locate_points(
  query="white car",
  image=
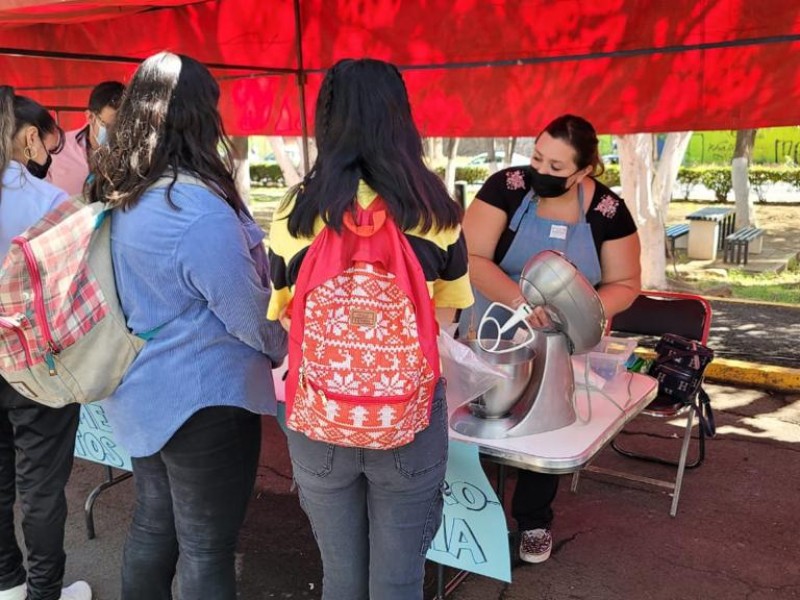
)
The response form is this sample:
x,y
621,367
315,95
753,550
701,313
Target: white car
x,y
482,159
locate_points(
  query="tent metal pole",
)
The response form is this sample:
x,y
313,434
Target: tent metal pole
x,y
301,82
110,58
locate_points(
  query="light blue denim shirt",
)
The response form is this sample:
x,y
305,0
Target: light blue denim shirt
x,y
23,201
190,272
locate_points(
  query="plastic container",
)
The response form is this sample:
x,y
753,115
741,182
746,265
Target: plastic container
x,y
608,358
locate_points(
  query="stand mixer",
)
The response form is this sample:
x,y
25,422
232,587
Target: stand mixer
x,y
539,393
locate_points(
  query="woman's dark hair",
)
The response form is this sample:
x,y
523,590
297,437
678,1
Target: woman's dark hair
x,y
168,123
17,112
364,130
580,134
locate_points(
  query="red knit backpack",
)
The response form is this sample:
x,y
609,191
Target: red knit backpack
x,y
363,357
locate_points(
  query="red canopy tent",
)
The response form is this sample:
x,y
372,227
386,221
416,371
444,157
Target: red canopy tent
x,y
473,68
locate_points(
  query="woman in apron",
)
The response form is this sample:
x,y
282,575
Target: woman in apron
x,y
556,204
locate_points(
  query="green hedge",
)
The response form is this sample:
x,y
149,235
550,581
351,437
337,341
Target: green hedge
x,y
610,176
718,179
266,174
761,177
468,174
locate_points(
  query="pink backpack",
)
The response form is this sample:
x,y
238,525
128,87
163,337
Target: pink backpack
x,y
63,336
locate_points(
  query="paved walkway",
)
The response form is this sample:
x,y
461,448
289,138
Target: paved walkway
x,y
734,538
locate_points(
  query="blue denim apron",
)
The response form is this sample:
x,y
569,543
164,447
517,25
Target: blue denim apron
x,y
533,235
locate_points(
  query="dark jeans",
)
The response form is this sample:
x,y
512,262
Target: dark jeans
x,y
36,446
191,499
374,512
533,499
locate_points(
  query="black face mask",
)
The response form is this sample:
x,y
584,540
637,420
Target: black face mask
x,y
37,170
548,186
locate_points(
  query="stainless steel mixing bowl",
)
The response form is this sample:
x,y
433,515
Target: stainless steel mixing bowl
x,y
517,364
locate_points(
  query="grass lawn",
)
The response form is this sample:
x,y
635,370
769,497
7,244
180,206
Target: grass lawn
x,y
265,194
761,287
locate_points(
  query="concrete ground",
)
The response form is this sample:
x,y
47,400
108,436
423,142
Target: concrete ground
x,y
735,535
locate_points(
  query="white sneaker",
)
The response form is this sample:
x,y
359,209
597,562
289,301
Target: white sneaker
x,y
17,593
79,590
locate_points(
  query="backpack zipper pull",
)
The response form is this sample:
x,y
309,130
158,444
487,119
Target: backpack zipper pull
x,y
51,364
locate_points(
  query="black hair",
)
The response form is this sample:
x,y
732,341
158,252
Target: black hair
x,y
364,130
581,135
168,123
17,112
108,93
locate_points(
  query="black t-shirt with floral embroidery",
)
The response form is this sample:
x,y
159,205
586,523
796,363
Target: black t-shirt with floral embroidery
x,y
608,216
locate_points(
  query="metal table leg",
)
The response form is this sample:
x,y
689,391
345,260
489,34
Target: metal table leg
x,y
95,493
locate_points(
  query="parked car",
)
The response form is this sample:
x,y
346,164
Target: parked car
x,y
482,159
610,159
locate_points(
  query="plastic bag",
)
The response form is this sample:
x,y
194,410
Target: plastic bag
x,y
468,376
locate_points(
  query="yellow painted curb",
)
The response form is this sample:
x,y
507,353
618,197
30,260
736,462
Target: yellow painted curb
x,y
740,372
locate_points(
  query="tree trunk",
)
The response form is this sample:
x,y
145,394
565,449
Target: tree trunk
x,y
492,159
290,174
241,165
636,171
647,190
510,146
745,209
450,169
438,148
312,155
672,155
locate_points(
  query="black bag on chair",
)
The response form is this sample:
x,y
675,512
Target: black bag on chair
x,y
679,369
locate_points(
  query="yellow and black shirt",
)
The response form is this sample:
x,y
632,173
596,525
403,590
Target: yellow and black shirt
x,y
442,254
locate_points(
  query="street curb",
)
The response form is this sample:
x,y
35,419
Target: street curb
x,y
739,372
747,374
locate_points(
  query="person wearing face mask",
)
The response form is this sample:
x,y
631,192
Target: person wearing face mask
x,y
71,167
36,442
555,204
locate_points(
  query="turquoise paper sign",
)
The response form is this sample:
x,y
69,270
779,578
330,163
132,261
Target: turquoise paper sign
x,y
474,532
95,439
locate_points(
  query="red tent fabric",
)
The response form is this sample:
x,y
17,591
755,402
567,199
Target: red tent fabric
x,y
472,68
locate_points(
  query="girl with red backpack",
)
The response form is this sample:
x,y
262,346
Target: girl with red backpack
x,y
366,256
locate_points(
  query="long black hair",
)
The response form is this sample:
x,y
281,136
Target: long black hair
x,y
167,123
364,130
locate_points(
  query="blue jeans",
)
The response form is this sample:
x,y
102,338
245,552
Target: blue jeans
x,y
374,512
191,499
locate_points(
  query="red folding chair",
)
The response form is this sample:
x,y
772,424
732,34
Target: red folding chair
x,y
650,316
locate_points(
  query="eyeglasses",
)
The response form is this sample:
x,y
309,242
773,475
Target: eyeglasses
x,y
61,140
100,120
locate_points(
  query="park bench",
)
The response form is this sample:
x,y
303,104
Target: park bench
x,y
673,233
738,244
